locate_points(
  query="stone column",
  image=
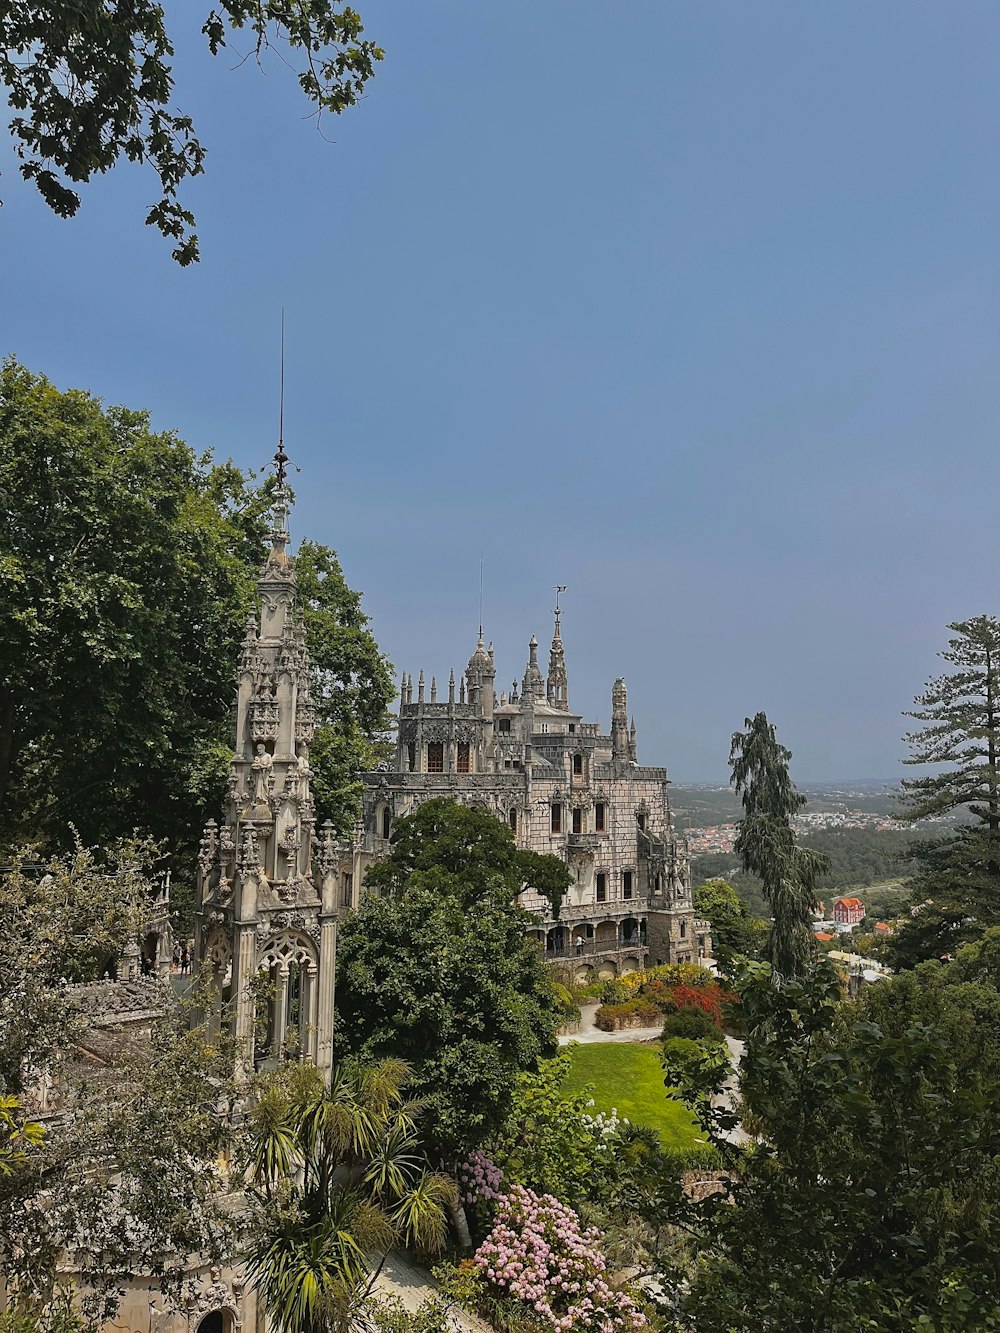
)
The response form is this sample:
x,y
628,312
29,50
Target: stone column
x,y
309,1011
244,972
280,1012
325,997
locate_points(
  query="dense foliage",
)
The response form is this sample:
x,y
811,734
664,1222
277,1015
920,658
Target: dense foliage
x,y
91,84
871,1195
435,967
736,932
127,567
336,1177
125,1179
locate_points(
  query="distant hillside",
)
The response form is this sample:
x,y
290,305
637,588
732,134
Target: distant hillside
x,y
703,806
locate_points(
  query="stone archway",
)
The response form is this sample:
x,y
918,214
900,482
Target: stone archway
x,y
606,935
583,976
292,1006
606,971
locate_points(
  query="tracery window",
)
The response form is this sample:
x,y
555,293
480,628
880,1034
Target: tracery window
x,y
464,760
435,757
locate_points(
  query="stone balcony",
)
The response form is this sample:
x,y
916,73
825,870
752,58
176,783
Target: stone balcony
x,y
586,911
584,842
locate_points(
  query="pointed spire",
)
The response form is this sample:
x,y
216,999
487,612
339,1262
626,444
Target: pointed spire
x,y
461,691
451,686
420,687
557,681
434,690
619,722
532,686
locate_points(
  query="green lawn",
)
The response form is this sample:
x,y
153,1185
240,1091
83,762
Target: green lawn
x,y
628,1077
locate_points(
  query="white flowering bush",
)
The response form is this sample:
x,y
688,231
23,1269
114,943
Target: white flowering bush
x,y
538,1253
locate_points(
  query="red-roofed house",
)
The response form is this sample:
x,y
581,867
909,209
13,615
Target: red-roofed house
x,y
848,911
883,928
822,935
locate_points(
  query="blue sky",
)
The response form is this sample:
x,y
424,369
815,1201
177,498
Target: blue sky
x,y
692,307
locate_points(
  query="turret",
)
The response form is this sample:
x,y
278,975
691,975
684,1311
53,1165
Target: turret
x,y
533,686
557,683
481,674
619,723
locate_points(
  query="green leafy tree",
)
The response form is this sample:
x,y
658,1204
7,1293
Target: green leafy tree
x,y
127,567
959,737
435,968
91,84
736,932
765,842
870,1195
552,1142
124,1176
352,685
337,1176
125,571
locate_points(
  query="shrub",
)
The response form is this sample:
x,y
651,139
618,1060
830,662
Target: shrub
x,y
538,1253
634,1014
615,992
694,1024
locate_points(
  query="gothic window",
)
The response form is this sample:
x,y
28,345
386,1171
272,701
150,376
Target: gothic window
x,y
602,887
577,820
556,824
578,763
411,756
657,883
626,884
512,818
464,762
435,757
347,891
386,821
640,819
503,724
683,928
599,816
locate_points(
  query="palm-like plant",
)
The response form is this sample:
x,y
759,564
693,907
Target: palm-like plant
x,y
337,1177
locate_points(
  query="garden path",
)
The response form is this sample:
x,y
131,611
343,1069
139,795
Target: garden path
x,y
402,1278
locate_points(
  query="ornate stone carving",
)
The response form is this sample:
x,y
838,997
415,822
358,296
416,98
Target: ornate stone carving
x,y
249,861
209,846
263,774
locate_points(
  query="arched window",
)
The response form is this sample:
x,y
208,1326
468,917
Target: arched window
x,y
435,757
602,886
578,763
386,821
640,819
599,817
464,757
626,884
683,928
577,819
216,1321
512,818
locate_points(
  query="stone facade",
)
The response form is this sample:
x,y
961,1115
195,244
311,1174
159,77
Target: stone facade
x,y
565,787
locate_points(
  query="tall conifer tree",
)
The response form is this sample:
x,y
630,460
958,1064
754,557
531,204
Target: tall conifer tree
x,y
765,842
958,885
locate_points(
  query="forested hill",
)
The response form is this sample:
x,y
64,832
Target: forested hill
x,y
860,856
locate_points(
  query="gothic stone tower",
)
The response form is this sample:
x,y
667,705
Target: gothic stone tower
x,y
267,887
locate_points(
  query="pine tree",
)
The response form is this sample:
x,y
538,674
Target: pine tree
x,y
765,842
958,885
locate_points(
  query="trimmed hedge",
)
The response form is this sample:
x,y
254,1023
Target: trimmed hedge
x,y
633,1014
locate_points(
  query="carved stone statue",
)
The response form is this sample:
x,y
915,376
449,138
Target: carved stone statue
x,y
261,766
